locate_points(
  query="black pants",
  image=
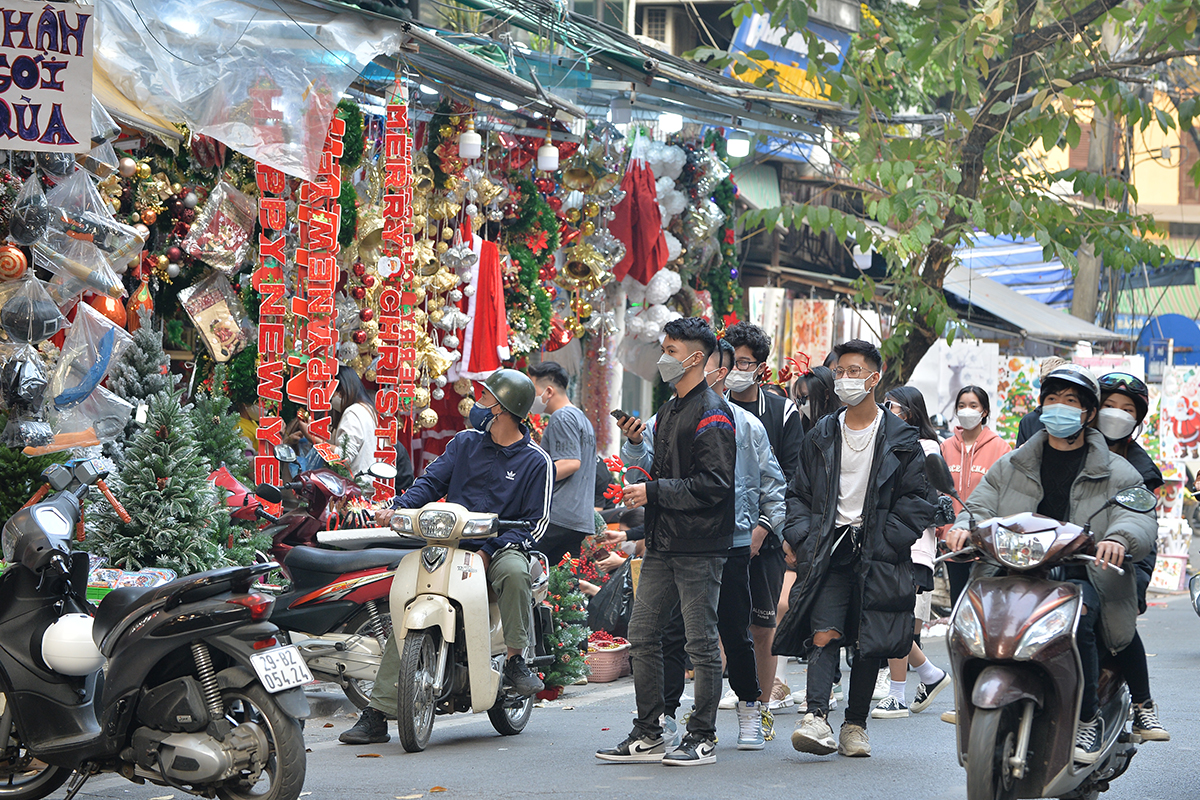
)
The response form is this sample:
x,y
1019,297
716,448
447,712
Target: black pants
x,y
1089,649
832,612
733,625
959,575
1132,661
557,541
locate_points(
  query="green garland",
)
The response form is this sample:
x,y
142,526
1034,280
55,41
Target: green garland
x,y
726,291
352,139
528,303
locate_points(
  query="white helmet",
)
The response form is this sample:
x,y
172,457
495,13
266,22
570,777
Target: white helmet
x,y
67,646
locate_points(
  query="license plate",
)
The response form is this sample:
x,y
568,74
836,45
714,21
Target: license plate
x,y
281,668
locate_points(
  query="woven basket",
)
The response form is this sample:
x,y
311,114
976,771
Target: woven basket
x,y
608,665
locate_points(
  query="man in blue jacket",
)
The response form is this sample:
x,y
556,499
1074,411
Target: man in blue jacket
x,y
494,468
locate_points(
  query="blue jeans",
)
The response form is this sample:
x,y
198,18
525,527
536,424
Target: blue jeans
x,y
693,583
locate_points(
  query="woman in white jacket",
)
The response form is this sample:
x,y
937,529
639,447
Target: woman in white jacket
x,y
353,421
908,404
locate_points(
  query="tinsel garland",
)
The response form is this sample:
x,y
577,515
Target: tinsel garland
x,y
352,139
528,304
596,404
722,279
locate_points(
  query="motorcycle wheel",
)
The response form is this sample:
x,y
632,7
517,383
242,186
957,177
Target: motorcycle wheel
x,y
415,700
358,691
511,721
283,773
992,742
22,776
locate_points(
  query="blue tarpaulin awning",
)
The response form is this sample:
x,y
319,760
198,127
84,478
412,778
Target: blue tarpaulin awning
x,y
1019,264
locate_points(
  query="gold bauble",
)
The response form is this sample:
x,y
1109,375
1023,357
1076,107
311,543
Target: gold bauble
x,y
435,316
587,228
162,262
420,221
431,230
465,405
176,188
427,419
420,397
445,131
447,233
144,171
584,310
369,375
572,215
591,209
441,247
463,387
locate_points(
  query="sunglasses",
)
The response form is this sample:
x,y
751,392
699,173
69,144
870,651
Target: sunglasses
x,y
1115,381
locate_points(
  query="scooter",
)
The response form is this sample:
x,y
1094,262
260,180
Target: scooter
x,y
452,650
183,685
1018,677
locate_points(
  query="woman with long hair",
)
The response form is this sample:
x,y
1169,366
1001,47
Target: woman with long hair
x,y
908,404
813,394
352,417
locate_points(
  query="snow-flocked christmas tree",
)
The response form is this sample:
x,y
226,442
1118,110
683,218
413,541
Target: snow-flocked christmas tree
x,y
142,371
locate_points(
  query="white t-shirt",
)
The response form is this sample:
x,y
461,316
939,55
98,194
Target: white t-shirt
x,y
358,427
858,451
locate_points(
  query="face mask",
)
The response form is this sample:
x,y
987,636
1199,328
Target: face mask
x,y
1116,424
1061,420
539,405
336,403
851,391
481,417
710,372
969,418
739,381
671,369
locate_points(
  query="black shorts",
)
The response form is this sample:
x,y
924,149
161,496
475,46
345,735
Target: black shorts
x,y
922,578
766,583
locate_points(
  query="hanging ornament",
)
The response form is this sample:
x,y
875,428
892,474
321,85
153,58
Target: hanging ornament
x,y
12,262
140,299
127,167
110,307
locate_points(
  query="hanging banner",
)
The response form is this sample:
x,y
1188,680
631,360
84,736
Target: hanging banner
x,y
46,77
812,329
272,336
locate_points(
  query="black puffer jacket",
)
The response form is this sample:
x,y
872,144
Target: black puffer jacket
x,y
899,506
689,499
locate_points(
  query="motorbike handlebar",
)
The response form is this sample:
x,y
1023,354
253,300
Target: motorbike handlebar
x,y
1082,557
262,514
519,524
294,485
948,556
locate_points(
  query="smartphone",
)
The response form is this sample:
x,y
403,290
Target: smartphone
x,y
619,415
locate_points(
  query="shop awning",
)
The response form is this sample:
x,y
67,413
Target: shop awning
x,y
1020,265
1027,316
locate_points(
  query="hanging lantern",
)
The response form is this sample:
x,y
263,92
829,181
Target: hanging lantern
x,y
547,155
470,143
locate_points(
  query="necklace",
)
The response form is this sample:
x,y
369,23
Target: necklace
x,y
870,437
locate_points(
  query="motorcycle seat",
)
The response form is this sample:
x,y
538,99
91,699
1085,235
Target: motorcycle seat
x,y
339,562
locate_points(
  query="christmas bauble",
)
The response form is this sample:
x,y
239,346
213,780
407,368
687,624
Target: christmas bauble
x,y
110,307
591,209
174,253
12,262
359,337
143,170
142,230
127,167
555,202
358,293
360,269
437,394
191,200
420,397
587,228
463,387
427,418
368,281
447,233
451,342
366,315
173,270
465,405
162,262
149,216
572,215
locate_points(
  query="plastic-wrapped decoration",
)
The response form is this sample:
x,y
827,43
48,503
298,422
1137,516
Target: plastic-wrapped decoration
x,y
27,313
31,213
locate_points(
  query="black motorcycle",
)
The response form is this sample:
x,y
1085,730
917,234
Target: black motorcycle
x,y
182,685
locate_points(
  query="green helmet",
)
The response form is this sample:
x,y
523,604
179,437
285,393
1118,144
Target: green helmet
x,y
513,390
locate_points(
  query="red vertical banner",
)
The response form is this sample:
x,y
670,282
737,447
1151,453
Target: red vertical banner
x,y
268,281
395,373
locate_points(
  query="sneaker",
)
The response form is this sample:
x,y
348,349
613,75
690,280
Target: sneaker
x,y
853,741
1088,740
671,736
781,696
521,678
729,701
890,708
692,752
883,685
1146,724
813,735
950,716
635,749
371,728
768,722
925,694
750,729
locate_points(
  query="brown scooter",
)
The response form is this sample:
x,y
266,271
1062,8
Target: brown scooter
x,y
1018,677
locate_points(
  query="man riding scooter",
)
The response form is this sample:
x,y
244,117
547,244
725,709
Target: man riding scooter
x,y
494,468
1067,472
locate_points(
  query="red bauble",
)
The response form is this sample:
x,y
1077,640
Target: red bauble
x,y
358,293
545,186
552,272
188,215
110,307
359,337
359,270
174,253
366,315
555,202
368,281
543,274
567,235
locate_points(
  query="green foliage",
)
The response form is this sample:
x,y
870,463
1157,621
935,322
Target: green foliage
x,y
1006,81
527,302
217,434
352,139
20,475
142,371
725,288
567,638
163,483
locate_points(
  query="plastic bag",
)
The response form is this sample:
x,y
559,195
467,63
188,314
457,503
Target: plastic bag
x,y
23,383
92,346
79,266
104,127
100,417
56,164
221,234
31,212
28,315
78,211
101,160
219,317
612,606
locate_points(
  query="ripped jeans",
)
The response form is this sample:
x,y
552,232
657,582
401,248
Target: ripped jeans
x,y
832,612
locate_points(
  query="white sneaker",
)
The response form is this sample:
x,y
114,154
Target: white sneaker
x,y
883,685
750,730
801,700
729,701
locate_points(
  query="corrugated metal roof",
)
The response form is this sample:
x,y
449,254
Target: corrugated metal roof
x,y
1019,264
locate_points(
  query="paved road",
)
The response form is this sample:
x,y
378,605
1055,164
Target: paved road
x,y
553,758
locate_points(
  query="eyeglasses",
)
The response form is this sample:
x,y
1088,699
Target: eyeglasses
x,y
1116,381
745,364
853,372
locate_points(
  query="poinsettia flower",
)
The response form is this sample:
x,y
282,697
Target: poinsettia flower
x,y
731,320
729,236
536,242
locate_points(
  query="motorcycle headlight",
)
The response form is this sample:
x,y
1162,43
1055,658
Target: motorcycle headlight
x,y
437,524
1049,627
480,527
402,523
967,627
1022,550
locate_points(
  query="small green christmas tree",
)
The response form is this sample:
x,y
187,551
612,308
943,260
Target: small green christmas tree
x,y
20,475
566,640
142,371
217,433
163,484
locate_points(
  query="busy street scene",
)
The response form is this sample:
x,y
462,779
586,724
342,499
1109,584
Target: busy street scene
x,y
535,398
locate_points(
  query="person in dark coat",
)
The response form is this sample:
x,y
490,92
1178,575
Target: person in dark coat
x,y
858,503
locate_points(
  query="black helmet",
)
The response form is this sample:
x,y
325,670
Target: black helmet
x,y
513,390
1132,387
1077,376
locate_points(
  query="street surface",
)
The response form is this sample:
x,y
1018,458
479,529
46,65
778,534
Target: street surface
x,y
912,758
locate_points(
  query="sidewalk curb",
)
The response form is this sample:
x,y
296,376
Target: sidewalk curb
x,y
327,704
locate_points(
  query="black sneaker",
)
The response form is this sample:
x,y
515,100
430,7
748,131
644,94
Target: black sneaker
x,y
371,728
520,677
635,749
1088,739
925,694
694,751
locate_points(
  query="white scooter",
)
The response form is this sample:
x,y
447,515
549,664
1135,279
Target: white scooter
x,y
447,625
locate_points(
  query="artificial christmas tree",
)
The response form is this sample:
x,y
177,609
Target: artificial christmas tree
x,y
567,637
142,371
20,475
217,433
163,483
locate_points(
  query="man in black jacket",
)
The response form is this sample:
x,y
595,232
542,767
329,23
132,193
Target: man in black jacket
x,y
858,503
689,529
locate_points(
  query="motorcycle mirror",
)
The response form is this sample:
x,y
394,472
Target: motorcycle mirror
x,y
939,475
382,470
285,453
1136,499
271,494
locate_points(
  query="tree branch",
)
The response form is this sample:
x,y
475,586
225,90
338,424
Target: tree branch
x,y
1061,30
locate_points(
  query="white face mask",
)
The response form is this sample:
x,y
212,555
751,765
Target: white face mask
x,y
969,418
539,405
336,403
739,380
851,391
1116,424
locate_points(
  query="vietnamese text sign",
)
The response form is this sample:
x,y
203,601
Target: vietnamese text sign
x,y
46,77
